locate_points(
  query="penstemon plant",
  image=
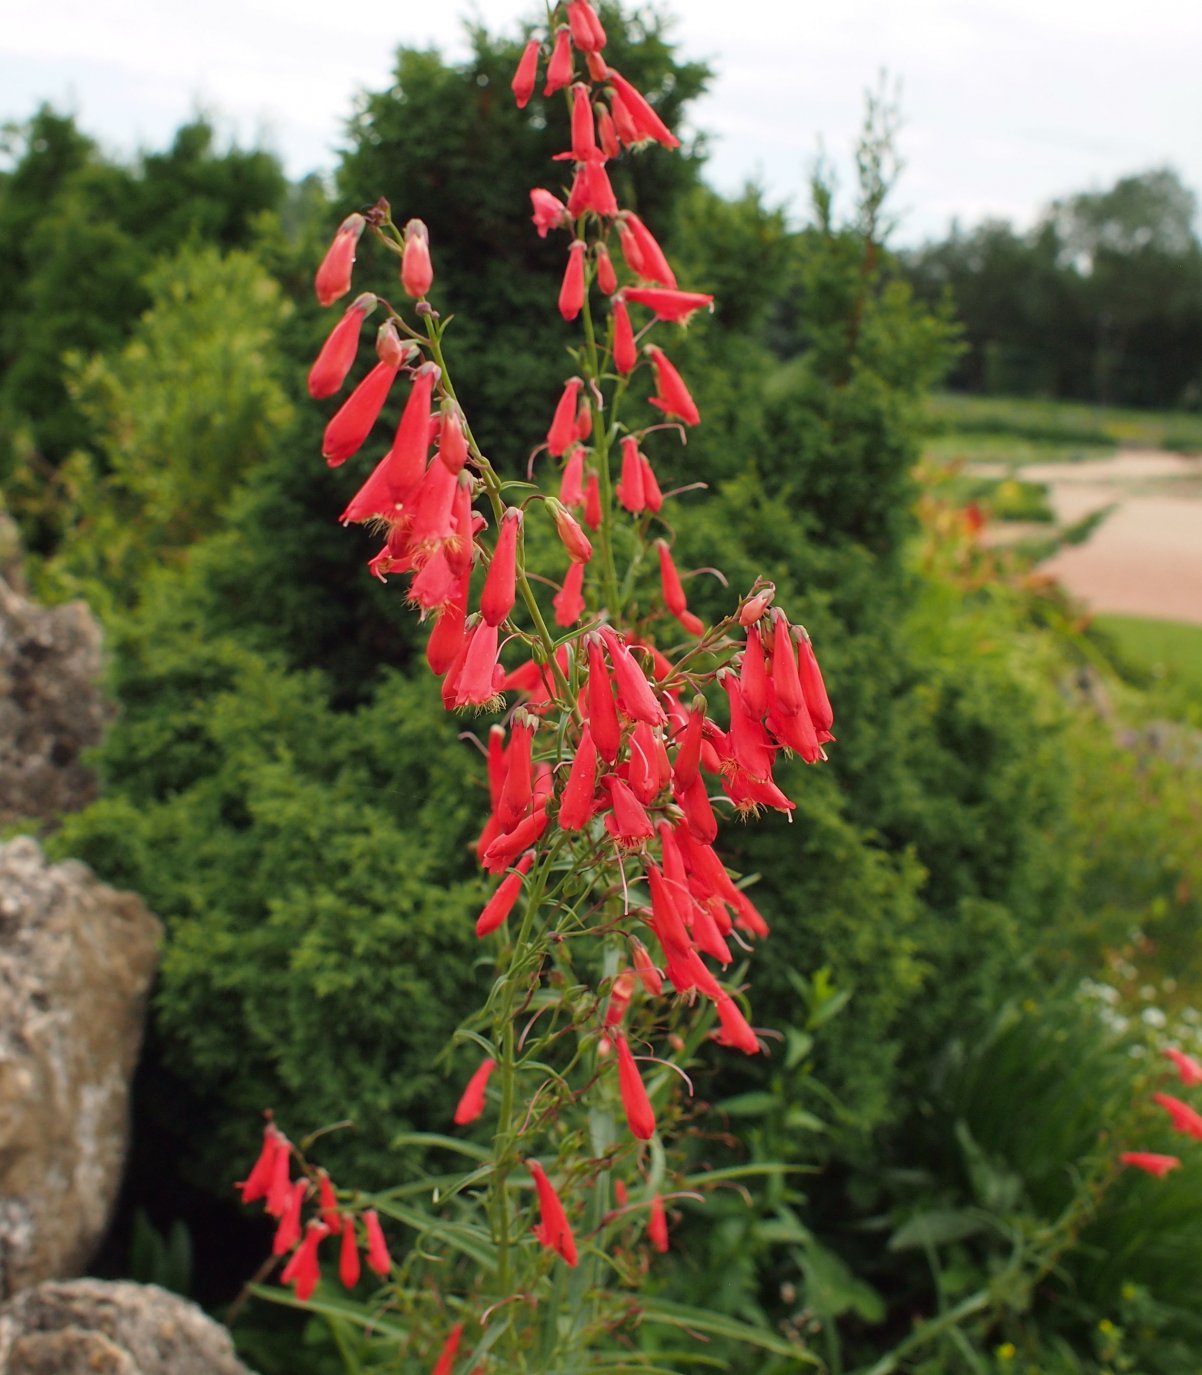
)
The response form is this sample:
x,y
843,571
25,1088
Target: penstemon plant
x,y
618,933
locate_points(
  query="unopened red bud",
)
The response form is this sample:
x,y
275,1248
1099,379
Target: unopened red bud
x,y
569,600
573,538
452,442
640,1117
562,433
526,76
334,275
337,354
625,353
417,272
571,293
607,135
630,488
391,348
592,502
754,607
559,69
586,29
571,487
497,599
584,133
607,278
619,997
649,976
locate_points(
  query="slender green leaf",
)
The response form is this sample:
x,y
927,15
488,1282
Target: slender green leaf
x,y
690,1319
329,1303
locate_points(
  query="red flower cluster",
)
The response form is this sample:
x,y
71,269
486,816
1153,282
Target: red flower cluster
x,y
1184,1118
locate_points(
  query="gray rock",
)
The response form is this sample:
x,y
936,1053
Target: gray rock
x,y
76,961
50,707
101,1327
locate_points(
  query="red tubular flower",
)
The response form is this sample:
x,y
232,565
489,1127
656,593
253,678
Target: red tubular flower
x,y
349,1269
754,607
796,733
672,396
571,484
576,804
593,190
753,675
631,251
562,434
329,1202
571,293
515,799
786,684
817,701
257,1184
337,355
735,1030
657,1226
607,135
446,639
1185,1119
654,497
452,442
501,853
673,306
450,1349
352,424
619,997
688,757
287,1234
559,69
472,686
607,278
500,586
569,600
668,924
1149,1162
334,275
584,420
417,272
628,822
749,740
571,536
694,802
669,580
630,488
644,966
1187,1067
549,211
599,699
378,1258
279,1191
647,123
636,697
553,1230
640,1117
526,76
584,130
471,1105
303,1269
625,354
592,502
587,33
653,265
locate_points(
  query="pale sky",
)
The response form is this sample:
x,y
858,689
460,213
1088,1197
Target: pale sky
x,y
1005,103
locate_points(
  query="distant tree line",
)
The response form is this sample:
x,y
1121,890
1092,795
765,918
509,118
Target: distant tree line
x,y
1100,301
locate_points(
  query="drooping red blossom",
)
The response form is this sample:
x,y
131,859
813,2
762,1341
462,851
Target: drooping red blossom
x,y
640,1117
516,794
257,1184
673,306
526,76
569,600
417,272
651,492
586,29
351,424
279,1191
562,433
652,264
636,697
607,134
584,129
549,211
349,1268
673,591
303,1269
735,1030
592,502
619,997
328,1202
576,804
647,124
672,396
571,293
334,275
505,848
559,69
599,698
1184,1118
657,1225
607,278
287,1234
649,976
817,701
553,1230
1150,1162
625,353
571,536
500,585
571,485
1188,1068
450,1349
628,822
471,1104
337,355
630,488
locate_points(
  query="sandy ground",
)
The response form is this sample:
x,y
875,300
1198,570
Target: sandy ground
x,y
1146,557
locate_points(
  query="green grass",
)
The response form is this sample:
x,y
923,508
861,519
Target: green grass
x,y
1025,431
1163,657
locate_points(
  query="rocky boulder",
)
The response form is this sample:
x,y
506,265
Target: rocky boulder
x,y
76,961
96,1327
50,708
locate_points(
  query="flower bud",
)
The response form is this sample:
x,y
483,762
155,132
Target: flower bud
x,y
334,275
559,69
417,272
525,77
337,354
